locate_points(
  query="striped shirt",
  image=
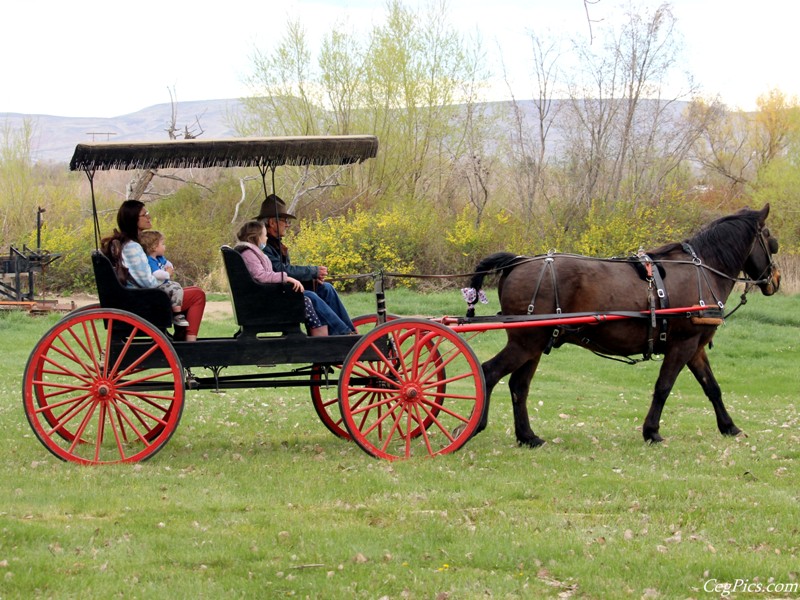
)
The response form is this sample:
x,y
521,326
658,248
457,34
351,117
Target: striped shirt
x,y
135,259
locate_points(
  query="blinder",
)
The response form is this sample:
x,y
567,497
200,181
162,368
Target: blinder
x,y
770,247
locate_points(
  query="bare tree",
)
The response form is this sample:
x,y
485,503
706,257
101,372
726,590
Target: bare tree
x,y
529,140
626,137
141,183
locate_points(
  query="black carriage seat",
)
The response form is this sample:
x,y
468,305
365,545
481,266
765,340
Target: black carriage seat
x,y
151,304
261,307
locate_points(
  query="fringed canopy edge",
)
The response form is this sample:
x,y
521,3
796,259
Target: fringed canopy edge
x,y
236,152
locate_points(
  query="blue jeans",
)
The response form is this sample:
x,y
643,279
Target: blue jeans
x,y
330,309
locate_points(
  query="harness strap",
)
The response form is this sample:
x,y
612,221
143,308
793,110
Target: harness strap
x,y
663,298
549,265
655,281
701,274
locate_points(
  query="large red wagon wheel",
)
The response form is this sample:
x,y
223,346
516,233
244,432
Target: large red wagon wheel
x,y
411,387
103,386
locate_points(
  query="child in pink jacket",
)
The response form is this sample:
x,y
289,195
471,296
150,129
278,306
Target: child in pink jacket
x,y
252,238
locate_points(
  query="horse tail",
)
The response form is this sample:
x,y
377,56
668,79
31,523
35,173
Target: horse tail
x,y
500,261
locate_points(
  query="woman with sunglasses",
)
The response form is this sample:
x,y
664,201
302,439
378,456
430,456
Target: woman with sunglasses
x,y
130,262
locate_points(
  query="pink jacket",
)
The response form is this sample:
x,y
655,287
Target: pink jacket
x,y
258,264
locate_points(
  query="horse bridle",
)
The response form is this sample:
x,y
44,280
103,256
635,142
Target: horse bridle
x,y
767,274
769,270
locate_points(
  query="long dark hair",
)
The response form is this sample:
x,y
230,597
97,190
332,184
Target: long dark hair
x,y
128,231
128,219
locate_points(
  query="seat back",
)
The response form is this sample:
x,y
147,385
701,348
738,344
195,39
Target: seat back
x,y
151,304
261,307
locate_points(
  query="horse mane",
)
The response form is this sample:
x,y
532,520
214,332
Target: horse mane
x,y
724,242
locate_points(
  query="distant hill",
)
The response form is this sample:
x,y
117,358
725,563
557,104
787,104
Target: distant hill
x,y
55,138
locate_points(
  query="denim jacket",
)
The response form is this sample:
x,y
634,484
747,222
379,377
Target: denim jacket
x,y
273,251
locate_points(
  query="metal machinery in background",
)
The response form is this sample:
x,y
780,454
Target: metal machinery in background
x,y
19,271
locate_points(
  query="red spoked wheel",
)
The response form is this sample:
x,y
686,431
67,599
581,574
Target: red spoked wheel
x,y
103,386
324,396
411,387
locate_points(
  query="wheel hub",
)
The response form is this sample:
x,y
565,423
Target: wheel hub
x,y
102,390
411,392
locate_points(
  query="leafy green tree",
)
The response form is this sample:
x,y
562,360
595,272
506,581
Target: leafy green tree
x,y
737,147
404,85
779,179
17,185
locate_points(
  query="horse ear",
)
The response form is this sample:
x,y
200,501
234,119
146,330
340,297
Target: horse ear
x,y
763,213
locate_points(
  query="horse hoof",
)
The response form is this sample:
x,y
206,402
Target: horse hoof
x,y
653,438
534,442
734,431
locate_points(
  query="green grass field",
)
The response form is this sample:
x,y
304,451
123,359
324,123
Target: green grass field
x,y
254,498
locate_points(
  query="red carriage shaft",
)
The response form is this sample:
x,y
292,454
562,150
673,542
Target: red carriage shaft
x,y
565,319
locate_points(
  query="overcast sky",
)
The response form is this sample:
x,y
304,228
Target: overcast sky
x,y
103,58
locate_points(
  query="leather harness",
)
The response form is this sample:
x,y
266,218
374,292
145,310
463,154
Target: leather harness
x,y
655,289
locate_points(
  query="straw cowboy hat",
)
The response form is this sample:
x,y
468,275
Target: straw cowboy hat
x,y
273,208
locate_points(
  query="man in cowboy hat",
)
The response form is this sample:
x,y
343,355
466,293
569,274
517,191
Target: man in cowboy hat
x,y
326,301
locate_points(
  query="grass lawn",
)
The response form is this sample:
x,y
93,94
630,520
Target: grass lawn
x,y
254,498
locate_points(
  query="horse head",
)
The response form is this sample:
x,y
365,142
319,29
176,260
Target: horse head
x,y
759,265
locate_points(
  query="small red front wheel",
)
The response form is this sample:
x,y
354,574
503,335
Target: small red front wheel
x,y
411,387
103,386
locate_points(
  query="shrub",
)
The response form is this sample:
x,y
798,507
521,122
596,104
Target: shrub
x,y
358,243
625,227
72,271
469,241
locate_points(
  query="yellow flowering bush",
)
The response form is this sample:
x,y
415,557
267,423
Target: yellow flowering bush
x,y
473,241
624,228
357,243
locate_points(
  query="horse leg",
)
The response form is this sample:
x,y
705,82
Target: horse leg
x,y
674,360
701,369
494,369
519,384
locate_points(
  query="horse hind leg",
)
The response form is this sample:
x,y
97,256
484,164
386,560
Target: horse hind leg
x,y
508,360
519,385
701,369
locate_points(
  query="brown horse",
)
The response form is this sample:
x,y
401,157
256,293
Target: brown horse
x,y
640,291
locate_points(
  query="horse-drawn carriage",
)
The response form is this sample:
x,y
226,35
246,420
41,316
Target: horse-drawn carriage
x,y
107,383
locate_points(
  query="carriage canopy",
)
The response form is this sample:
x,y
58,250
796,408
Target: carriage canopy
x,y
264,152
